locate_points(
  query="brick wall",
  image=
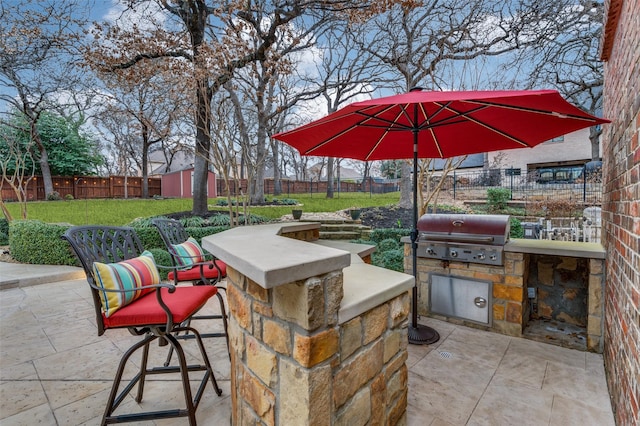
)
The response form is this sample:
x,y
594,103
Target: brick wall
x,y
621,207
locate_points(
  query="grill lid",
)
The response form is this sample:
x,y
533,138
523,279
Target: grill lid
x,y
466,228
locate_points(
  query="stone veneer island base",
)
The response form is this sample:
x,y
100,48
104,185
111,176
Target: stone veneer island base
x,y
317,336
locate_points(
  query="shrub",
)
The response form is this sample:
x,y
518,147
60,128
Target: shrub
x,y
68,197
149,237
391,259
54,196
254,219
162,258
219,220
517,231
285,201
388,244
557,207
143,222
201,232
4,231
36,242
378,235
497,198
193,221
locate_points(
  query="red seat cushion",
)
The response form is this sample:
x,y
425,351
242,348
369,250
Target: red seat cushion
x,y
183,303
194,273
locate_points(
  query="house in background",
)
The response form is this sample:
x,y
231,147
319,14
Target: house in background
x,y
319,171
569,151
157,163
573,149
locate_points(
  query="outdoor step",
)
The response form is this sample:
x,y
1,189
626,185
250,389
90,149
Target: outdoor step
x,y
330,227
339,235
339,221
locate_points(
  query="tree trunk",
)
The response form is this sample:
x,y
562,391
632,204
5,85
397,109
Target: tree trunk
x,y
277,173
145,161
330,162
203,145
42,151
406,198
46,173
257,192
594,137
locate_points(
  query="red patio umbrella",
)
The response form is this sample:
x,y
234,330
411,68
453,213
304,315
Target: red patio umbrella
x,y
423,124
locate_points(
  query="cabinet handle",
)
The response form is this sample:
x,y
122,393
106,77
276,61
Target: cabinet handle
x,y
480,302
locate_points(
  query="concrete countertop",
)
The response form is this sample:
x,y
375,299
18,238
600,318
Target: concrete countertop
x,y
550,247
262,254
357,250
556,248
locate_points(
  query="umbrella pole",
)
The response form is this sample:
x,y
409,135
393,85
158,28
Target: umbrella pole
x,y
418,334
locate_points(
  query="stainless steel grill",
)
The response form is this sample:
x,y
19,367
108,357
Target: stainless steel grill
x,y
463,238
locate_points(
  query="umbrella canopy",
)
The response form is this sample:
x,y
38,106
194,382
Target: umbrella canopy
x,y
447,124
421,124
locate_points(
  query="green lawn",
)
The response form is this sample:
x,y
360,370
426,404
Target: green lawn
x,y
120,212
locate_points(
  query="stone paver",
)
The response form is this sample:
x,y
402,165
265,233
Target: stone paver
x,y
55,370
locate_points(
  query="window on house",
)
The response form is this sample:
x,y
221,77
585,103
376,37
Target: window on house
x,y
557,139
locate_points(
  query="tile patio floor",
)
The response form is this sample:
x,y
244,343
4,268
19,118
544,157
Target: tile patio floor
x,y
56,370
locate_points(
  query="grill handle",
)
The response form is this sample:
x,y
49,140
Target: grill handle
x,y
457,238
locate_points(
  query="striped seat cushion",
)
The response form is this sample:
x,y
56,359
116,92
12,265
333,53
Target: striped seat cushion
x,y
126,275
188,253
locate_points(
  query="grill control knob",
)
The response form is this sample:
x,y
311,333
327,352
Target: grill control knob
x,y
454,253
481,256
431,251
493,257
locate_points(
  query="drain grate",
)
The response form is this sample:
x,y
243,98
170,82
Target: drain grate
x,y
446,355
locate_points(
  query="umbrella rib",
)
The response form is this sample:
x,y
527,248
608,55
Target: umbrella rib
x,y
379,141
427,120
532,110
466,116
348,129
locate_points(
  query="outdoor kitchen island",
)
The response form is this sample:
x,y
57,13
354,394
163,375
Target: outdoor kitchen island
x,y
550,291
317,336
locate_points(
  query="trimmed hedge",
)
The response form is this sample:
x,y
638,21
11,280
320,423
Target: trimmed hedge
x,y
162,258
378,235
36,242
4,232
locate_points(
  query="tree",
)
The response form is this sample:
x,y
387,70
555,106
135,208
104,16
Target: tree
x,y
569,60
345,74
14,157
149,107
207,44
70,152
37,38
421,45
391,169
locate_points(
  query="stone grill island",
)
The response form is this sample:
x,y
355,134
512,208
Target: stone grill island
x,y
317,335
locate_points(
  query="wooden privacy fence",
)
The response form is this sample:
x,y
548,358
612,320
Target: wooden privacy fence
x,y
289,186
82,187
